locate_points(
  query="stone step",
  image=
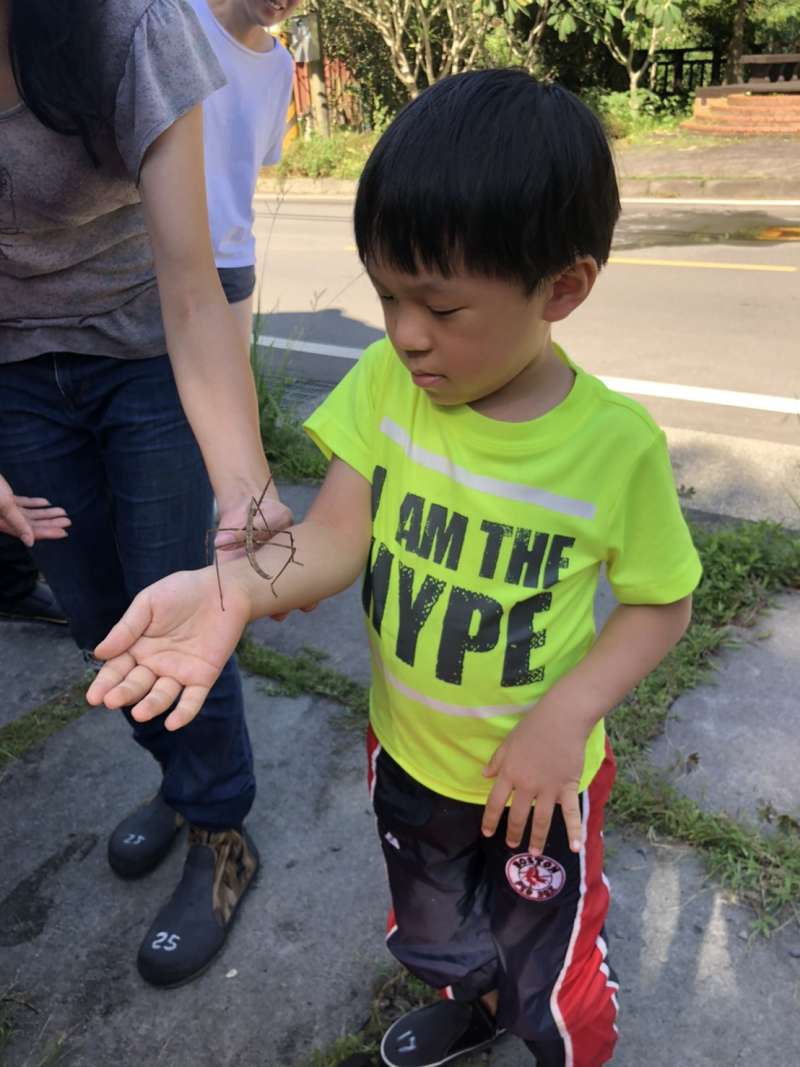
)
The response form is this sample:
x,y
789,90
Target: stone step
x,y
733,119
693,125
783,101
745,111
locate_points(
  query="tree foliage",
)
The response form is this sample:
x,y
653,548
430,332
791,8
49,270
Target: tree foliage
x,y
350,38
631,30
430,39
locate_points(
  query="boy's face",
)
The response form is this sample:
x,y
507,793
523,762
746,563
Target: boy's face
x,y
467,337
268,12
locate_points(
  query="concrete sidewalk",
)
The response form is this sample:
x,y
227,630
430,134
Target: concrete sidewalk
x,y
760,168
696,989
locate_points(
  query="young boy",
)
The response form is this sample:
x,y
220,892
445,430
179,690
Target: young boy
x,y
244,124
484,478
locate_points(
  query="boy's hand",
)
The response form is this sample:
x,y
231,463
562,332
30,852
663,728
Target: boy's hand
x,y
173,641
540,761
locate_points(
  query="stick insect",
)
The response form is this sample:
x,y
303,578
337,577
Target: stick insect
x,y
251,538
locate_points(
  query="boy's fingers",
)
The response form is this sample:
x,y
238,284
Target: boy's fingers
x,y
495,806
189,705
127,631
571,810
542,817
492,768
518,815
162,696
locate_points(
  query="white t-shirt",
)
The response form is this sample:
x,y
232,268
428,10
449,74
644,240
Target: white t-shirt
x,y
244,124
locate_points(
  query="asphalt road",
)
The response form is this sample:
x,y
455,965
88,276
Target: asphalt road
x,y
696,297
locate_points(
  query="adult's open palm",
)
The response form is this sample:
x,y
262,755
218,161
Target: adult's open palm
x,y
170,645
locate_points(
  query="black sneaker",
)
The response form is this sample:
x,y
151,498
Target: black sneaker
x,y
143,839
428,1037
191,928
38,606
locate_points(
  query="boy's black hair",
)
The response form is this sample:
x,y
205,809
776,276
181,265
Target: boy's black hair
x,y
492,172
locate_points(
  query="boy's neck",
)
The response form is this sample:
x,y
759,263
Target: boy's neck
x,y
232,16
540,387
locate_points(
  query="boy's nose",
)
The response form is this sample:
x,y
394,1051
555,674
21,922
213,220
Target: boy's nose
x,y
409,334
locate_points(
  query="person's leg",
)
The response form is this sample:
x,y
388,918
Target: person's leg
x,y
18,572
45,451
556,989
50,446
162,512
22,596
439,926
58,416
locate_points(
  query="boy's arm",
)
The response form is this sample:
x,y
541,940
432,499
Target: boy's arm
x,y
542,758
174,639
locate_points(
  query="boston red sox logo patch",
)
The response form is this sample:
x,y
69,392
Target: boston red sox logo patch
x,y
536,878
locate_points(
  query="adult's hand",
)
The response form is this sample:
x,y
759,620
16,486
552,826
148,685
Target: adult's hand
x,y
30,518
270,518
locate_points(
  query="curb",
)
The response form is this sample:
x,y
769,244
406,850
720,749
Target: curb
x,y
746,188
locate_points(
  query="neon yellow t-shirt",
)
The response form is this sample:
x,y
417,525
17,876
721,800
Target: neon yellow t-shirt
x,y
488,537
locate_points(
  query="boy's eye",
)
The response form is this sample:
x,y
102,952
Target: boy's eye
x,y
385,297
443,312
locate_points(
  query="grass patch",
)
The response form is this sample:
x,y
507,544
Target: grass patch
x,y
392,996
762,871
743,567
292,456
12,1001
305,673
34,727
342,155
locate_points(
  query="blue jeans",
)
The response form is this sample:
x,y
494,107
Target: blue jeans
x,y
107,439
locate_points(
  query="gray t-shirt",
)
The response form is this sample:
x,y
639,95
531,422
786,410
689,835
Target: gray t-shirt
x,y
76,267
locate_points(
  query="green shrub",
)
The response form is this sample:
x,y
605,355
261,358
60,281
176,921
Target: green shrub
x,y
651,112
342,155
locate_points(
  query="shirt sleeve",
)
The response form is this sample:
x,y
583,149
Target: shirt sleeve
x,y
651,557
344,424
170,68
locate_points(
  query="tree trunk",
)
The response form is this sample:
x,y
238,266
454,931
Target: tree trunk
x,y
733,61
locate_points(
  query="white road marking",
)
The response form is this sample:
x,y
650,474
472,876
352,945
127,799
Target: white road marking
x,y
783,405
317,348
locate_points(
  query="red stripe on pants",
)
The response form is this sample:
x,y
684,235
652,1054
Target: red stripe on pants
x,y
584,999
373,751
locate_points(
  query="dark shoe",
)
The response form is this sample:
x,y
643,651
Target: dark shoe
x,y
428,1037
191,928
38,606
141,841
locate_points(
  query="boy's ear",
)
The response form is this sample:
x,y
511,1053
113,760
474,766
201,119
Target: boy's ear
x,y
570,289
